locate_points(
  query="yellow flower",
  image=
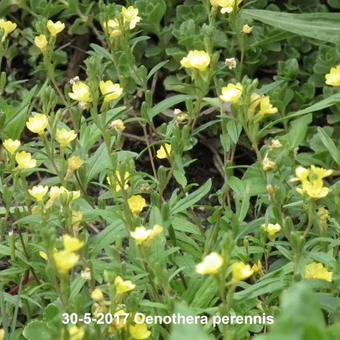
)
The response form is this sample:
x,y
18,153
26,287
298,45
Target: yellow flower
x,y
81,93
65,261
54,193
136,204
122,182
76,333
41,42
257,268
122,286
164,151
140,234
25,160
110,91
130,17
112,28
270,189
181,117
316,271
72,244
65,137
214,3
97,295
11,145
99,309
139,331
227,6
43,255
66,195
275,144
301,174
2,334
119,320
333,77
77,217
86,274
271,229
211,264
231,63
313,189
156,231
254,102
74,163
7,27
267,164
199,60
37,124
312,181
317,173
232,93
246,29
266,108
144,236
313,174
73,195
55,27
118,125
38,192
240,271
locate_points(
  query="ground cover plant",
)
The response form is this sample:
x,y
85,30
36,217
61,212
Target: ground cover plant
x,y
164,158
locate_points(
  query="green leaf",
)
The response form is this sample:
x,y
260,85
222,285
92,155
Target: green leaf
x,y
102,51
329,144
270,87
185,226
180,177
301,317
321,26
106,236
192,198
99,161
152,13
322,104
76,286
16,118
234,130
156,68
52,314
268,285
37,330
297,131
166,104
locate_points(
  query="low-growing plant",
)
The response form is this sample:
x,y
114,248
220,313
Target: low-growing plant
x,y
169,159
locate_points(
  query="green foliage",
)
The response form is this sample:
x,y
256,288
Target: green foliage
x,y
301,317
321,26
169,157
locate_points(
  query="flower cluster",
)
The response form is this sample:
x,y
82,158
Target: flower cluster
x,y
6,27
54,28
316,271
144,237
197,60
67,258
227,6
212,264
127,20
82,94
311,180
